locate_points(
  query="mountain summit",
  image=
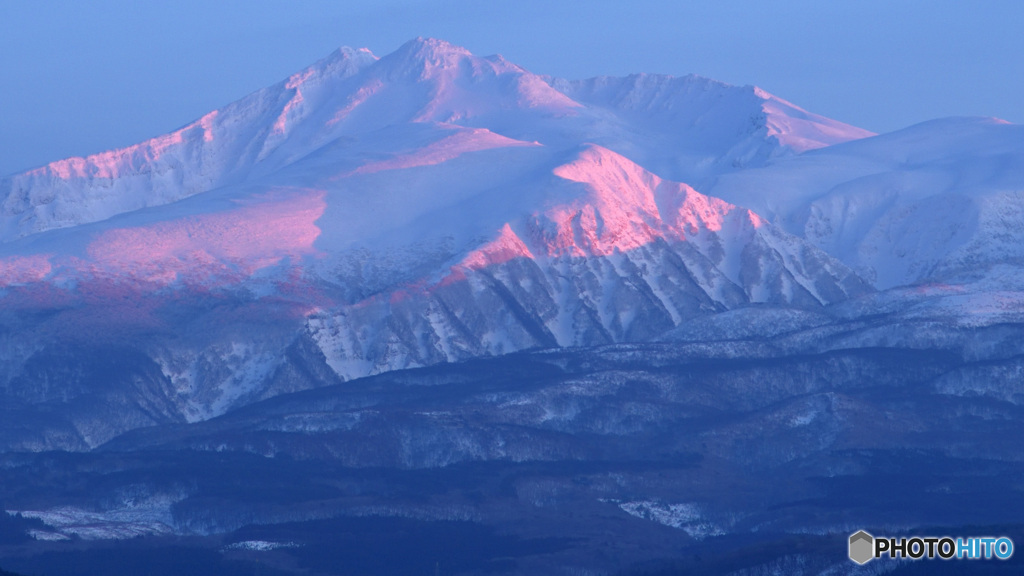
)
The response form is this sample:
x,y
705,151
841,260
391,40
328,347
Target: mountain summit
x,y
585,326
382,213
695,125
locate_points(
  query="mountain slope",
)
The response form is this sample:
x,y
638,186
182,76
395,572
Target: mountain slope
x,y
636,308
427,206
218,290
689,127
352,92
624,257
219,148
936,202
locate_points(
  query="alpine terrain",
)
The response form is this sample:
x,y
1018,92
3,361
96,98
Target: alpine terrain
x,y
431,313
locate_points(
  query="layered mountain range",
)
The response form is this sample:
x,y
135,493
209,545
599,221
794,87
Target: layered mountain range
x,y
367,216
429,206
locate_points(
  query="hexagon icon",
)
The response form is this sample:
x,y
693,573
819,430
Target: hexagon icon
x,y
862,547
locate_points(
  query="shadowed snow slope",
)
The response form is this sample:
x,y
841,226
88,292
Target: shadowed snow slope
x,y
368,214
691,126
639,310
351,92
937,201
614,253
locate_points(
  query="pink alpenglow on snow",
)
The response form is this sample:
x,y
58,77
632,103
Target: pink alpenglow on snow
x,y
24,269
114,163
627,207
122,161
207,123
223,246
505,248
801,130
620,208
295,84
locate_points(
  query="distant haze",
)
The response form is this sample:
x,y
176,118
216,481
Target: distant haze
x,y
80,78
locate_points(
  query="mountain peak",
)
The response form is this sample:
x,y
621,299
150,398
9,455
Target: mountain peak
x,y
428,58
422,50
801,130
676,127
348,53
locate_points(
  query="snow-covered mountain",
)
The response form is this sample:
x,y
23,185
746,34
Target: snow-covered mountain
x,y
624,256
936,202
423,207
685,308
433,206
689,127
353,93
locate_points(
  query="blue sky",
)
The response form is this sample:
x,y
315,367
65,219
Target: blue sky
x,y
81,77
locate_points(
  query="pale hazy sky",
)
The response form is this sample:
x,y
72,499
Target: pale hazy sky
x,y
78,77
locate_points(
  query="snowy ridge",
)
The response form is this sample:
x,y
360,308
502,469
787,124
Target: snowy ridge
x,y
624,256
682,268
939,201
219,148
800,130
433,206
708,125
426,80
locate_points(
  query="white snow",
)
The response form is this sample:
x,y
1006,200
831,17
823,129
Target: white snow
x,y
260,545
684,516
144,517
357,187
929,202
